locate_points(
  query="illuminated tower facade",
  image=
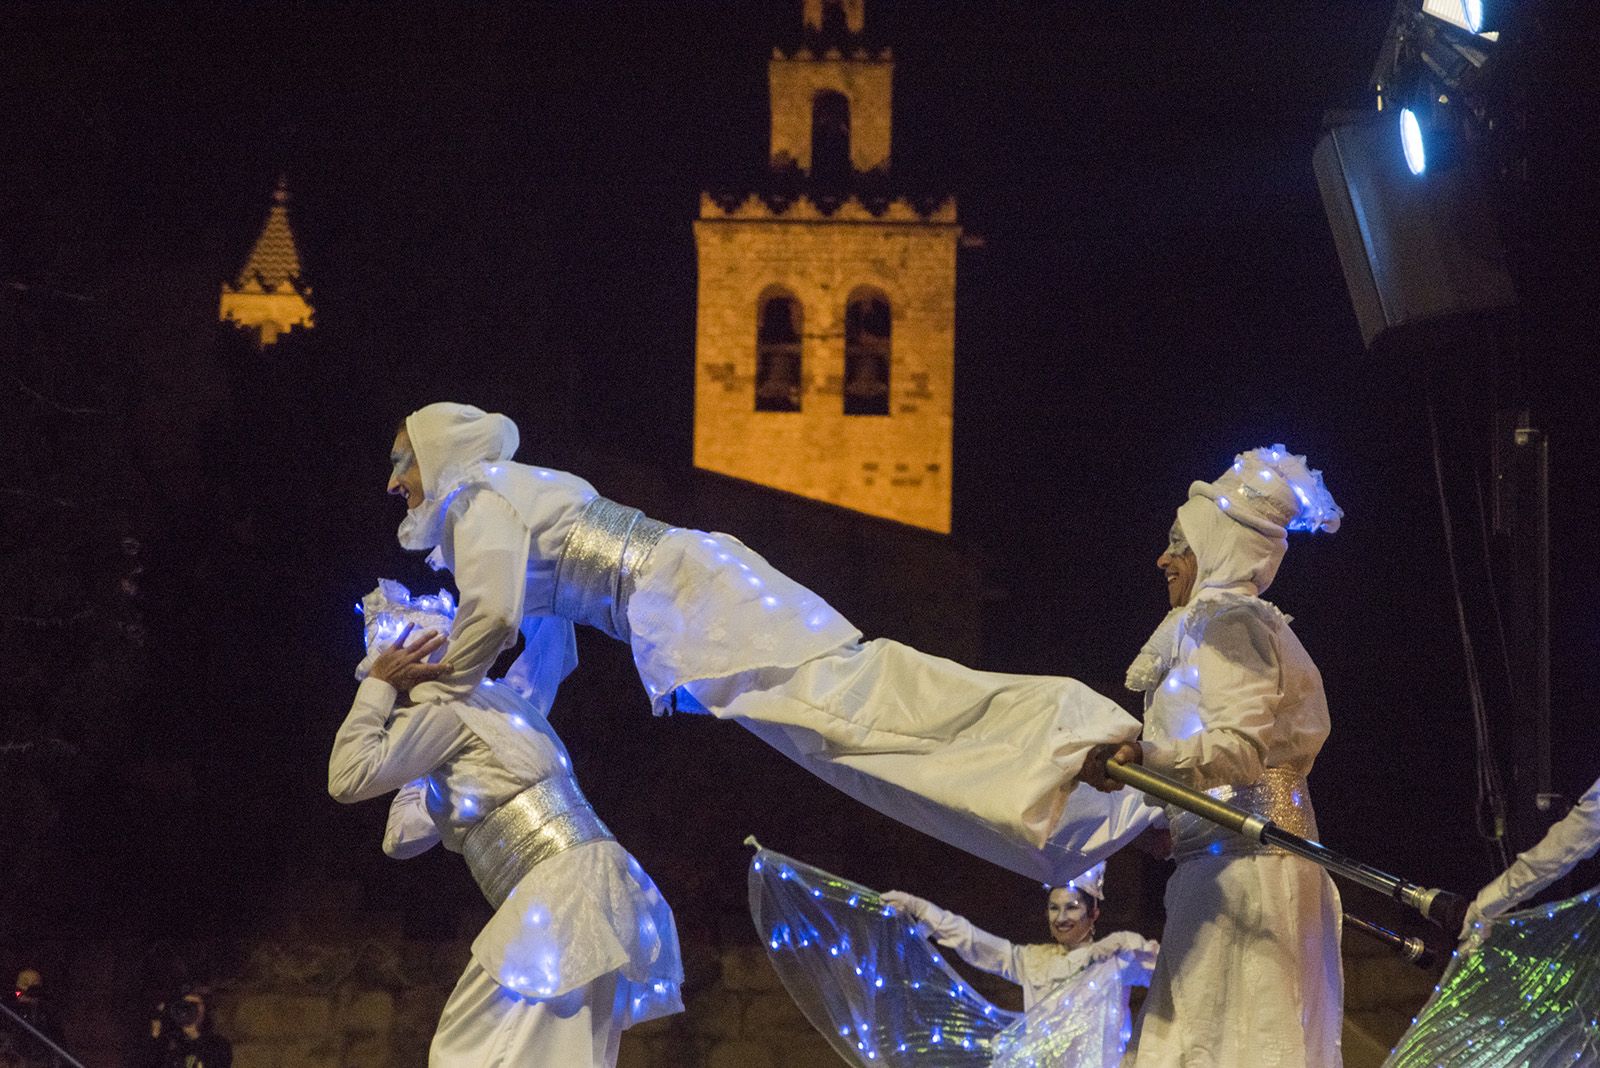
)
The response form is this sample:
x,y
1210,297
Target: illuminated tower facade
x,y
269,297
825,334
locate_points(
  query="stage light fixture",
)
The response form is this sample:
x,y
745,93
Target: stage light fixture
x,y
1411,141
1467,14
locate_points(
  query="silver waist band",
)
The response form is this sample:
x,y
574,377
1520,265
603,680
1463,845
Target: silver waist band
x,y
600,563
1281,796
543,820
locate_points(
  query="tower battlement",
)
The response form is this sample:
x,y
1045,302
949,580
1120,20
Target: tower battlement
x,y
854,53
760,207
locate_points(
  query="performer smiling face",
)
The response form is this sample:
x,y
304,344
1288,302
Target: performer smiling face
x,y
1072,914
1180,566
405,479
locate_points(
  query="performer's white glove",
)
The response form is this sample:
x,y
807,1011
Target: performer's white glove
x,y
907,904
1470,935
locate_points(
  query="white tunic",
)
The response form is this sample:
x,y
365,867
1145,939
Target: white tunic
x,y
1249,971
1040,968
1576,837
580,915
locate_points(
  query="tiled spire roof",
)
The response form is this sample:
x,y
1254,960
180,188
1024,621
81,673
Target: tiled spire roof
x,y
274,262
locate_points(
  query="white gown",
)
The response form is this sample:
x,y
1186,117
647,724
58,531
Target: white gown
x,y
1249,972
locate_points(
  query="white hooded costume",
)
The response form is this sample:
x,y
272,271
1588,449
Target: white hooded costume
x,y
1249,972
581,945
983,761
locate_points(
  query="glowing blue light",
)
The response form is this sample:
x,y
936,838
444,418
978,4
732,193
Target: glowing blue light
x,y
1224,503
1411,141
1215,849
770,601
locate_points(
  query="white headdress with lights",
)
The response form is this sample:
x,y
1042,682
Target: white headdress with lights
x,y
387,610
1272,491
1091,882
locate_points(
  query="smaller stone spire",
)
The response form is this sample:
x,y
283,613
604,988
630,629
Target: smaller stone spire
x,y
269,296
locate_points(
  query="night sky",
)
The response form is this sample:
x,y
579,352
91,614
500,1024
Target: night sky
x,y
493,205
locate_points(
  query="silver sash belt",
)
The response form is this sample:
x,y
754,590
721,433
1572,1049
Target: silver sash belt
x,y
543,820
600,563
1281,796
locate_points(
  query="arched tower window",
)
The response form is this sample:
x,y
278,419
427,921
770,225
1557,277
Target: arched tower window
x,y
866,353
830,136
779,320
834,23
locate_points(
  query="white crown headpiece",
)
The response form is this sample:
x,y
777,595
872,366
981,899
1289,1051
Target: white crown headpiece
x,y
1271,490
387,610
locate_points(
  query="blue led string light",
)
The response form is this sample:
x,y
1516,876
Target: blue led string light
x,y
863,975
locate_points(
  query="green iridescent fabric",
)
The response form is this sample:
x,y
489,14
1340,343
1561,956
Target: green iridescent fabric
x,y
1528,995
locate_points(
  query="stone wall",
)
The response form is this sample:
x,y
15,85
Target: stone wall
x,y
352,991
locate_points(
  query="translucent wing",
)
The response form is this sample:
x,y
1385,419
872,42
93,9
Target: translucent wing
x,y
863,975
1082,1022
1528,995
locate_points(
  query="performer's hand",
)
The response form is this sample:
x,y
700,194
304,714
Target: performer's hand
x,y
904,903
1093,772
404,666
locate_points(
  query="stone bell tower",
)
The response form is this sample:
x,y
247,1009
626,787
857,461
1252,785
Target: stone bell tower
x,y
825,336
269,297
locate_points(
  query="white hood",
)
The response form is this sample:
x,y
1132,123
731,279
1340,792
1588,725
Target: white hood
x,y
448,439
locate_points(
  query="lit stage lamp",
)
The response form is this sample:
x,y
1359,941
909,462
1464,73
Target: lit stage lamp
x,y
1467,14
1411,142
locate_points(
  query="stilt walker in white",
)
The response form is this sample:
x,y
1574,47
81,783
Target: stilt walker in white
x,y
981,760
581,945
1249,971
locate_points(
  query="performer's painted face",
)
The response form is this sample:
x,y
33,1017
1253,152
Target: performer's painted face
x,y
1178,563
405,480
1072,914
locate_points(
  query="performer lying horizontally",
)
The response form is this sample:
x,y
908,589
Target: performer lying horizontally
x,y
982,760
1071,912
581,945
1250,970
